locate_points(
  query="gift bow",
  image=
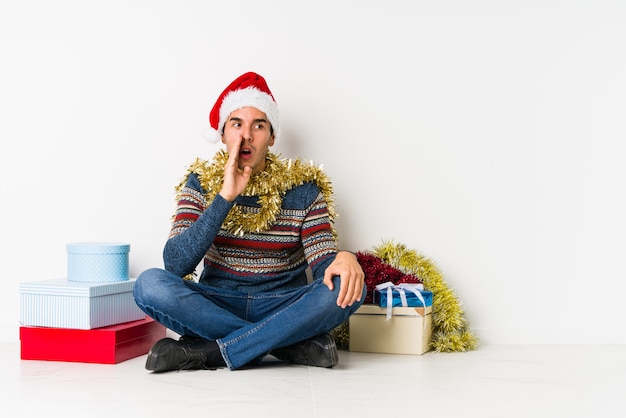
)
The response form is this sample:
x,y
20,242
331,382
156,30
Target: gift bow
x,y
401,288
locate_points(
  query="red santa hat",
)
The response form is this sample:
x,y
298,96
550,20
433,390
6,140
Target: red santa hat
x,y
248,90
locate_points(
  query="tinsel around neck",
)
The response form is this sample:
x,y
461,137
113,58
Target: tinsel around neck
x,y
270,185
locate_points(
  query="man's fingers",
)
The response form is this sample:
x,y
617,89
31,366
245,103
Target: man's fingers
x,y
349,292
233,156
343,291
328,279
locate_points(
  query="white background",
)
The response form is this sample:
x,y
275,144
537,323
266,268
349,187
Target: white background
x,y
484,134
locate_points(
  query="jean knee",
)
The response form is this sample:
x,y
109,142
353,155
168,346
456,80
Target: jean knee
x,y
145,285
327,300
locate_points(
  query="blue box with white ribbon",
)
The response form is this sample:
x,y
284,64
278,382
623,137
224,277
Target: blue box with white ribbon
x,y
403,294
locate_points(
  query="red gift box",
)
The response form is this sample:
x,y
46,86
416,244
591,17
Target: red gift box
x,y
106,345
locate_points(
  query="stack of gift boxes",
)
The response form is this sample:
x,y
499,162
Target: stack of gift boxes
x,y
90,316
399,321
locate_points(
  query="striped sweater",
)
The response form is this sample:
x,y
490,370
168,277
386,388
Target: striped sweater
x,y
270,260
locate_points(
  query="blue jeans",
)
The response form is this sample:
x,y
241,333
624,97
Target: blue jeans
x,y
245,326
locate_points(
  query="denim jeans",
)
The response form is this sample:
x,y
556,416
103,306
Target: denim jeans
x,y
245,326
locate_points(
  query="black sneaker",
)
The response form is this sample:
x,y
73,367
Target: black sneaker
x,y
320,351
186,354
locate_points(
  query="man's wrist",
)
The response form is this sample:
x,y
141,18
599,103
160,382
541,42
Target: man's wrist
x,y
226,197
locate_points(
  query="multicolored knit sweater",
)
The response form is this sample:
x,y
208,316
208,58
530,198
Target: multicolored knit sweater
x,y
273,259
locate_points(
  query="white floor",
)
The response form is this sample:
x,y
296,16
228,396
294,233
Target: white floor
x,y
493,381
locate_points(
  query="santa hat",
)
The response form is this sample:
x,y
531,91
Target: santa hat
x,y
248,90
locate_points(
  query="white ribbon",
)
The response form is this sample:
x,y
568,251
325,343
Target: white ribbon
x,y
401,288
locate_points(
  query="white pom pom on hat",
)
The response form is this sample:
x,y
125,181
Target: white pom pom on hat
x,y
248,90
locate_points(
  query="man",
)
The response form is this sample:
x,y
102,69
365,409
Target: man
x,y
257,222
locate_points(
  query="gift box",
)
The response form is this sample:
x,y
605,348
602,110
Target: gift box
x,y
407,331
106,345
61,303
97,262
404,294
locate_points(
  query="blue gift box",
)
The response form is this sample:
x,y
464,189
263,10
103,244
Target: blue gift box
x,y
97,262
380,298
60,303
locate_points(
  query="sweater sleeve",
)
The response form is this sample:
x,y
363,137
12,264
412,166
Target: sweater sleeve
x,y
194,228
318,240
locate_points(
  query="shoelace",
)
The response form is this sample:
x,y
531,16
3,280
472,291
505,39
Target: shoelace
x,y
195,359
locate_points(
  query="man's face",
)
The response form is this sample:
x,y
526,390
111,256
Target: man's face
x,y
249,127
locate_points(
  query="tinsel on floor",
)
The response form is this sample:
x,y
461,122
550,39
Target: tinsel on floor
x,y
396,263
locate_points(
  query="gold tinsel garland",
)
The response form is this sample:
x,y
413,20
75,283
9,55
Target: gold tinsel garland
x,y
451,332
450,327
270,185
